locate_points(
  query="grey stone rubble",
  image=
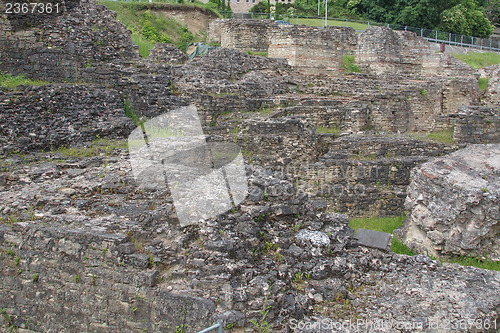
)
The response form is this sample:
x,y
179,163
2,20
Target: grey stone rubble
x,y
101,244
84,248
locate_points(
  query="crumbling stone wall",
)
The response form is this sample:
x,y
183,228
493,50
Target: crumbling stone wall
x,y
88,280
48,117
278,142
242,34
477,124
61,47
316,50
383,51
365,174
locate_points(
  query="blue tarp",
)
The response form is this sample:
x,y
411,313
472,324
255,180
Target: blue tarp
x,y
201,49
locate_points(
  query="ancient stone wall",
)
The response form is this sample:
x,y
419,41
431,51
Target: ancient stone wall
x,y
313,49
57,47
47,117
365,175
88,280
278,142
477,124
383,51
242,34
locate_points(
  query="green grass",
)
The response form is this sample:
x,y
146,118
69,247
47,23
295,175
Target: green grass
x,y
349,65
262,54
401,248
328,130
384,224
444,136
313,22
144,44
10,82
474,261
479,60
98,146
149,25
483,83
389,224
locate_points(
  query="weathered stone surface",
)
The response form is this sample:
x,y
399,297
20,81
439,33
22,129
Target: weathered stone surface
x,y
312,49
477,124
246,35
492,93
78,40
48,117
167,53
382,50
453,204
315,238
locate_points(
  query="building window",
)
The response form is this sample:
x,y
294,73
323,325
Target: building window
x,y
248,0
253,1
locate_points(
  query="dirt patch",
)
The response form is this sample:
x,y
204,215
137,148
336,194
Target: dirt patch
x,y
196,21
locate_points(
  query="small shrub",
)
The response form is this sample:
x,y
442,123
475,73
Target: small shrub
x,y
483,83
348,64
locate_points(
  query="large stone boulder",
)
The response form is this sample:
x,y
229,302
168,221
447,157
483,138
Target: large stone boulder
x,y
453,204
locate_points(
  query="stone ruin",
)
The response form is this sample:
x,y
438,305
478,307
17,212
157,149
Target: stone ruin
x,y
454,203
84,247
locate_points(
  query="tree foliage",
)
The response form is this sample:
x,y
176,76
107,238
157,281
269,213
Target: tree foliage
x,y
466,19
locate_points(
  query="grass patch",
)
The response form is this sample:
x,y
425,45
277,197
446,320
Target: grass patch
x,y
328,130
389,224
266,111
478,60
401,248
10,82
444,136
143,44
473,261
384,224
98,146
262,54
483,83
150,25
349,65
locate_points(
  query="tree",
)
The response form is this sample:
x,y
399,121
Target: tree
x,y
466,19
492,11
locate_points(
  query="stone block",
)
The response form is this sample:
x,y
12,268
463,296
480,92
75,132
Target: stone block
x,y
374,239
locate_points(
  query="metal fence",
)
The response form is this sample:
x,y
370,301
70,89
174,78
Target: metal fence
x,y
486,44
217,326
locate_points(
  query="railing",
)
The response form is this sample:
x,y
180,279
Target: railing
x,y
486,44
213,327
